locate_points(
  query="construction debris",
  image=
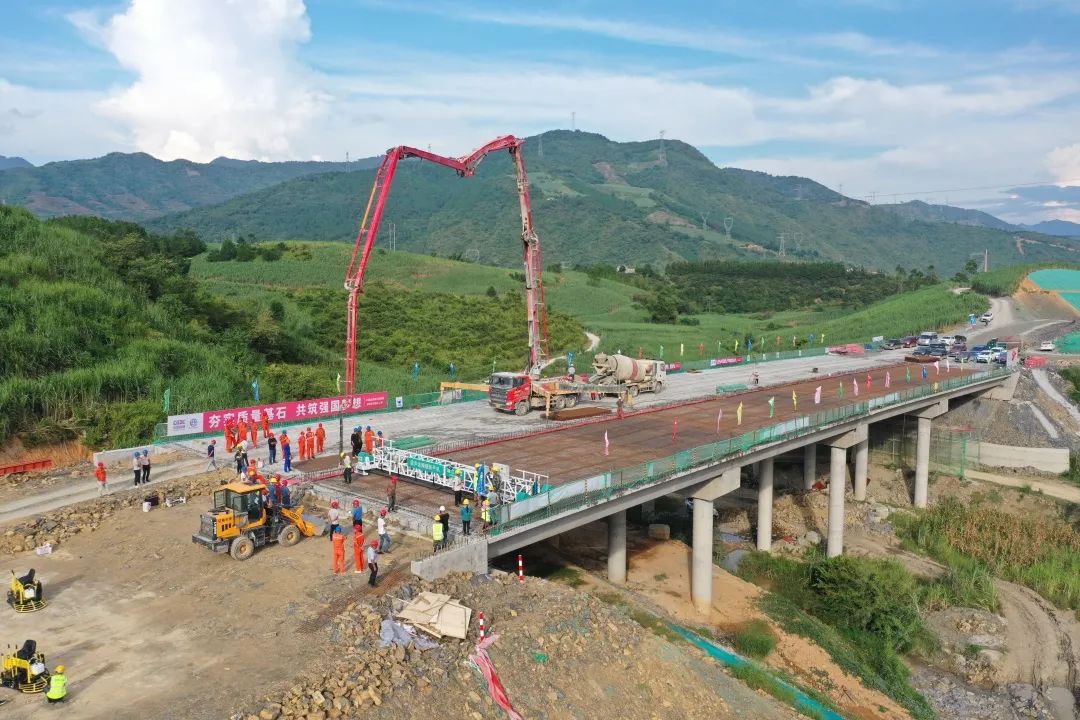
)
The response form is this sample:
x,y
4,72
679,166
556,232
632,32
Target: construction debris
x,y
437,615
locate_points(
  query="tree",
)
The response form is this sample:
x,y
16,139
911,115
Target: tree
x,y
971,266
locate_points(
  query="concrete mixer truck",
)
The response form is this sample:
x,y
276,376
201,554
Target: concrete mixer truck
x,y
628,374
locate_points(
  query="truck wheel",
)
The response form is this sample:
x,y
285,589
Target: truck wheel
x,y
522,408
571,400
289,536
559,402
659,388
632,391
242,548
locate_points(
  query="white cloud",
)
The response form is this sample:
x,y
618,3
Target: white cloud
x,y
38,124
212,77
1064,163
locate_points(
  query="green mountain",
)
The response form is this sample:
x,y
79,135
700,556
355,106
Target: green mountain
x,y
598,201
1064,228
918,210
137,186
7,163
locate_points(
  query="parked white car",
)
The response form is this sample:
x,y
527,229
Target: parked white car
x,y
1047,346
927,337
949,340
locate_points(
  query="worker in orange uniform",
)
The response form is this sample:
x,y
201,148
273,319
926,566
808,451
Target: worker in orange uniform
x,y
339,551
242,430
302,441
358,549
230,443
254,429
369,441
266,424
99,473
320,438
286,450
310,444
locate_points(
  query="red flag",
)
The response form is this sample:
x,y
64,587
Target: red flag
x,y
674,430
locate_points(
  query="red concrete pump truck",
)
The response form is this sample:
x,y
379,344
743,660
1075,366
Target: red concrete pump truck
x,y
509,391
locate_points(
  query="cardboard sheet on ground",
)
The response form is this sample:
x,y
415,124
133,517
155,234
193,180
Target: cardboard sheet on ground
x,y
437,615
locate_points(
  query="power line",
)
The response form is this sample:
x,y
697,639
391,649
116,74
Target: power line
x,y
1071,182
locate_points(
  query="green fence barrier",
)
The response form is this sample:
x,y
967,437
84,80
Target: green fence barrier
x,y
617,482
733,387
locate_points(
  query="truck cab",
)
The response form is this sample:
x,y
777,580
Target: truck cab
x,y
508,391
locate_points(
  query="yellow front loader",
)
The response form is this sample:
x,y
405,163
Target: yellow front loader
x,y
241,521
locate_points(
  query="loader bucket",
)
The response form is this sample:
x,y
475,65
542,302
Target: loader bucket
x,y
311,524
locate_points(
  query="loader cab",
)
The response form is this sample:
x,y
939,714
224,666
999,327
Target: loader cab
x,y
245,503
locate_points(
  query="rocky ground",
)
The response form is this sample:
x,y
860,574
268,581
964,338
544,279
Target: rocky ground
x,y
559,654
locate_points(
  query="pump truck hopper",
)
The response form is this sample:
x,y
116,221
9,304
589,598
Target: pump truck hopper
x,y
241,521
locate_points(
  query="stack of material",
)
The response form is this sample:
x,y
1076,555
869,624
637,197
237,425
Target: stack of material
x,y
437,615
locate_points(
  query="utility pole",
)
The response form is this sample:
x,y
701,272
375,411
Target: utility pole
x,y
704,221
781,238
573,120
663,156
541,143
346,161
728,223
986,260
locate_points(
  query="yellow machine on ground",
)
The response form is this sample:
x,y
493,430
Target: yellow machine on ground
x,y
241,521
26,594
24,670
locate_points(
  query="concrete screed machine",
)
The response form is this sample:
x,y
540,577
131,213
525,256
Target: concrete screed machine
x,y
241,521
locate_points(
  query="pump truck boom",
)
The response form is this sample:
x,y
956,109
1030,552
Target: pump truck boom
x,y
465,166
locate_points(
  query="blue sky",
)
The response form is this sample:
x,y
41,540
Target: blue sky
x,y
892,99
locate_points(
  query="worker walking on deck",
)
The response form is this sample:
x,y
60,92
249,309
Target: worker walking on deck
x,y
286,451
334,516
320,438
271,444
103,484
485,514
357,516
459,487
253,428
354,440
211,456
372,563
444,518
358,550
369,441
391,494
466,516
384,536
338,540
346,469
437,534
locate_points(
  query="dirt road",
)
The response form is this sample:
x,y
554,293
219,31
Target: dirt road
x,y
150,625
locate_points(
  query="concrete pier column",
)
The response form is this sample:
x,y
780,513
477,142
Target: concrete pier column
x,y
922,462
809,470
837,476
862,458
701,564
616,548
648,510
764,505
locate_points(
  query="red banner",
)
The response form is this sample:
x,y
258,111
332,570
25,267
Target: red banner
x,y
277,413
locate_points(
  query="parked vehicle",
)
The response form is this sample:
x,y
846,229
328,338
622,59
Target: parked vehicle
x,y
927,337
910,341
1047,346
984,356
947,339
987,317
939,350
892,344
961,338
922,351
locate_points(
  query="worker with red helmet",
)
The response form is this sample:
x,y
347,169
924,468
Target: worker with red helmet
x,y
337,539
286,498
301,441
384,536
373,563
310,443
266,424
358,540
99,473
357,516
286,450
320,438
241,430
334,516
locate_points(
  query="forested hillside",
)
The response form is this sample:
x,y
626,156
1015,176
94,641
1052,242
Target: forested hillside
x,y
98,318
620,203
136,186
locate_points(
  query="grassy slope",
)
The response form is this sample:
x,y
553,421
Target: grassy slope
x,y
606,309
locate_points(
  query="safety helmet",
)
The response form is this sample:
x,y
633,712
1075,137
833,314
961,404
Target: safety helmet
x,y
136,453
382,512
333,503
338,530
284,483
320,424
251,472
442,508
145,452
214,441
436,517
342,454
100,464
379,433
465,501
356,503
308,428
273,479
59,668
368,427
356,428
374,543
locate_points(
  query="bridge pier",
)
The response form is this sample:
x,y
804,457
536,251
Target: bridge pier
x,y
809,466
862,460
764,505
922,450
616,548
701,559
838,447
